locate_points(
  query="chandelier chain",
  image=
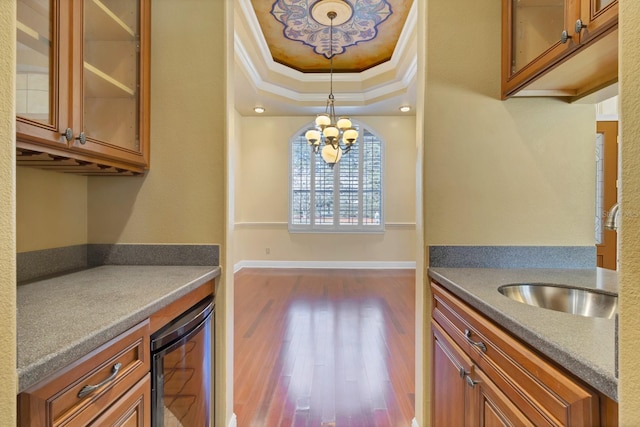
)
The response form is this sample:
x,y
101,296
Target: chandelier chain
x,y
338,135
331,17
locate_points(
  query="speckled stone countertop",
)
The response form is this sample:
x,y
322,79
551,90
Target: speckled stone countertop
x,y
584,346
61,319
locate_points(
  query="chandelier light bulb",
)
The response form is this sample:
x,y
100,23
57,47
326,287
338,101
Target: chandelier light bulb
x,y
350,136
331,155
313,137
323,120
344,123
331,133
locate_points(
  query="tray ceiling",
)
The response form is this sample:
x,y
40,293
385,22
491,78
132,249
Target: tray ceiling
x,y
298,40
282,55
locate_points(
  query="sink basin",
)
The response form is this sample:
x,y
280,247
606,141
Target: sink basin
x,y
568,299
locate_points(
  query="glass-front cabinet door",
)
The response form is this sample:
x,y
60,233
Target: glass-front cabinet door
x,y
596,17
82,94
39,88
536,34
110,66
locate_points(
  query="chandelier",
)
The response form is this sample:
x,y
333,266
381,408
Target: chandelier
x,y
335,136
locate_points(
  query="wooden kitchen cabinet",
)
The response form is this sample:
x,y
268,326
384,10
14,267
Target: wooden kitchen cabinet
x,y
448,381
120,371
117,377
465,395
565,48
82,85
481,376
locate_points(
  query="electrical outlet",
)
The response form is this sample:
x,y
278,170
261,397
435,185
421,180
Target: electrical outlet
x,y
268,250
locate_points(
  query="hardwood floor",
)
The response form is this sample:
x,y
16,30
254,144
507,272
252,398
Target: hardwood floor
x,y
324,348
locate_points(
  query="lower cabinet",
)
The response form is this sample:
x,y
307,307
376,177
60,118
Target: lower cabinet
x,y
111,386
93,386
464,395
482,376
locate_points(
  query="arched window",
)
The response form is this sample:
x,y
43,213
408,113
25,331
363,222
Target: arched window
x,y
347,198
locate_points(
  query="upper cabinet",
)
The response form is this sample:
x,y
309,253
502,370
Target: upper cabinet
x,y
82,85
566,48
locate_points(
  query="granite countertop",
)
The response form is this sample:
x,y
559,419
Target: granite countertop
x,y
584,346
61,319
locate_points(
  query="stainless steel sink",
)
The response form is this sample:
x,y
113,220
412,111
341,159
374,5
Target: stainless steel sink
x,y
568,299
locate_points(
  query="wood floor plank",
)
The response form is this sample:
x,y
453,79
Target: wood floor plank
x,y
324,348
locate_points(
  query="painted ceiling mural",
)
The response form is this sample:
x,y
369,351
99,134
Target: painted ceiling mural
x,y
300,25
366,39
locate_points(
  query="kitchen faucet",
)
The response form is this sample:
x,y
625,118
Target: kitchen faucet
x,y
612,218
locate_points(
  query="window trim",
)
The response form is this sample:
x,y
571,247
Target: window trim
x,y
336,228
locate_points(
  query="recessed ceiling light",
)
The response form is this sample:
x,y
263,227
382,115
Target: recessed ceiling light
x,y
405,108
258,110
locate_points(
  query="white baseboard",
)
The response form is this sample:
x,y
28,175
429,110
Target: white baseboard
x,y
414,423
380,265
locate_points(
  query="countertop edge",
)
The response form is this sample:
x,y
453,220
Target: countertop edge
x,y
601,381
33,373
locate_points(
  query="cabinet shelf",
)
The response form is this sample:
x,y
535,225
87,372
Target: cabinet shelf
x,y
102,85
32,39
105,25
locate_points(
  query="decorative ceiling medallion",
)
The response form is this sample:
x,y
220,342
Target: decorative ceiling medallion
x,y
321,10
361,26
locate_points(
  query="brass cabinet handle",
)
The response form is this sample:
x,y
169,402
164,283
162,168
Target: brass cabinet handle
x,y
479,344
90,388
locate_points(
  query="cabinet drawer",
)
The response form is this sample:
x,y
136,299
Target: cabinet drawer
x,y
544,393
114,368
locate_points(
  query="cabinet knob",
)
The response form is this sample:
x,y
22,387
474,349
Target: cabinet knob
x,y
580,26
82,138
564,37
68,134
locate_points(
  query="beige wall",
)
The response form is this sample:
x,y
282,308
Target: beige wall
x,y
181,198
51,209
629,386
7,215
262,196
515,172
